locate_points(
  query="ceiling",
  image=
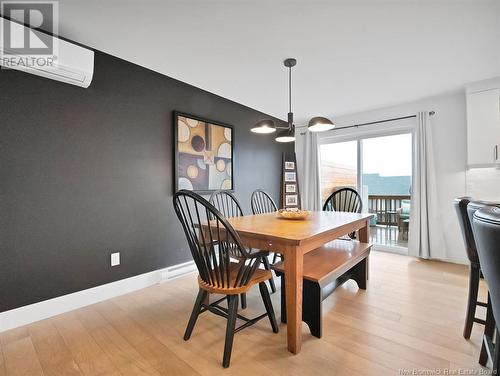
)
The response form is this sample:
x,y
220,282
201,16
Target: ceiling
x,y
352,55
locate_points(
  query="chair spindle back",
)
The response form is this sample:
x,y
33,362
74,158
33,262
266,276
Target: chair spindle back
x,y
226,203
344,199
262,202
213,242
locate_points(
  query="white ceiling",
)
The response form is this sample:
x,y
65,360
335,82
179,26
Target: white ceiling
x,y
352,55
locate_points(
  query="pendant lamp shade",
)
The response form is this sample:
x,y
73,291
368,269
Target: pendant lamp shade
x,y
286,135
320,124
264,127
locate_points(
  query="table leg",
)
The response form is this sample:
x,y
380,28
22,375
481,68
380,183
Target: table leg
x,y
364,237
294,262
364,233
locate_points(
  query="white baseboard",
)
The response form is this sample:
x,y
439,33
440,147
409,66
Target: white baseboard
x,y
52,307
460,261
404,251
391,249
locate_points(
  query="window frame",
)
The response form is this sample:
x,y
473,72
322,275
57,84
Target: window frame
x,y
358,135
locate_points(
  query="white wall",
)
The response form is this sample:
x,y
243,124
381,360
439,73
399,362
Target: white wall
x,y
449,137
484,184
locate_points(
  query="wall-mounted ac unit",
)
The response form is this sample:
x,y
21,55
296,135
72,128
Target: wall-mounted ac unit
x,y
71,64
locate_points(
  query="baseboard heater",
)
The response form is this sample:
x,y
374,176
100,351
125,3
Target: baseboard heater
x,y
177,271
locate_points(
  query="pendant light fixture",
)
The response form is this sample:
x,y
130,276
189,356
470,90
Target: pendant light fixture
x,y
287,134
264,127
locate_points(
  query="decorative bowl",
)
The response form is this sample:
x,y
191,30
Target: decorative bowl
x,y
294,214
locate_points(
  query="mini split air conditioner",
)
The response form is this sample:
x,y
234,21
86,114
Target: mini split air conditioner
x,y
71,64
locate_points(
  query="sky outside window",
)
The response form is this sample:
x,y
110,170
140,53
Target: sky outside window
x,y
388,156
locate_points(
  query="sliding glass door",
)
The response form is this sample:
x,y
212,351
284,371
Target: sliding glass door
x,y
386,179
380,168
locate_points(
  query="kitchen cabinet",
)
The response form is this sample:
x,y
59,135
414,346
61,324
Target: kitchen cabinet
x,y
483,128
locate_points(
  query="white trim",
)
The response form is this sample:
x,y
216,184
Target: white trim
x,y
484,85
404,252
52,307
460,261
391,249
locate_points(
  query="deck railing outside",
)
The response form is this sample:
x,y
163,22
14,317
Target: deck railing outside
x,y
385,207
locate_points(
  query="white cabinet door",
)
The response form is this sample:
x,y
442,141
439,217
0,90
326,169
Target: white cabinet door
x,y
483,128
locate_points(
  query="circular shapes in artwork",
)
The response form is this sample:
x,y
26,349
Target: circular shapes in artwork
x,y
220,165
198,143
227,133
191,122
209,159
224,150
183,132
201,164
229,170
226,184
192,172
185,183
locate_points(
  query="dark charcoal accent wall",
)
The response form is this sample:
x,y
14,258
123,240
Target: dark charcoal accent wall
x,y
85,172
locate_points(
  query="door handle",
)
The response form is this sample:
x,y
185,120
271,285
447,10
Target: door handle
x,y
495,153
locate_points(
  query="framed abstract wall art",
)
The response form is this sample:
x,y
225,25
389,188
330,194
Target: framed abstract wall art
x,y
203,154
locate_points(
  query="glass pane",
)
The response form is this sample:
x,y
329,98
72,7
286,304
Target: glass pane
x,y
339,167
387,164
387,170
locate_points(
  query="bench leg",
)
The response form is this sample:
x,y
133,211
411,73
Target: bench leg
x,y
360,273
311,307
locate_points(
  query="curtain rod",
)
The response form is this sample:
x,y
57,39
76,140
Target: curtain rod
x,y
381,121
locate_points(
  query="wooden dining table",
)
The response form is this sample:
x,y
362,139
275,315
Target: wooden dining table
x,y
293,239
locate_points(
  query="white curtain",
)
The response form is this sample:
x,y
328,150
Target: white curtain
x,y
426,238
307,151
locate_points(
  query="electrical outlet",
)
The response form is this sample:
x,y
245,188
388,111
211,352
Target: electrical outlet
x,y
115,259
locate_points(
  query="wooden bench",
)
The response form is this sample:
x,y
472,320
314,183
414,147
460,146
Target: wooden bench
x,y
325,269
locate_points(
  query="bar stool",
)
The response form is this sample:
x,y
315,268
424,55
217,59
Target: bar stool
x,y
474,266
486,227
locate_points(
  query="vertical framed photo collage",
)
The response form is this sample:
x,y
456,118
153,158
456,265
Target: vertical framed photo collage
x,y
290,197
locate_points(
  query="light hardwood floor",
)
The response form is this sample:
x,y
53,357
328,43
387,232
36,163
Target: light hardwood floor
x,y
387,235
411,316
